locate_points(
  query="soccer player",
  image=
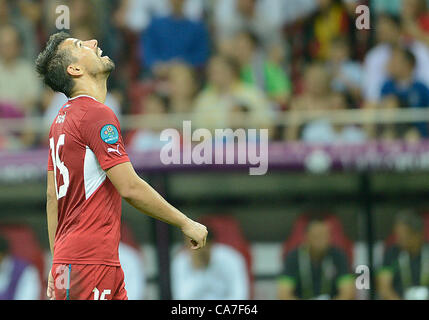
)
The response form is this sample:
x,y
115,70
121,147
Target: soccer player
x,y
88,173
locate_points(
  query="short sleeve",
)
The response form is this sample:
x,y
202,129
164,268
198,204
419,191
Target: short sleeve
x,y
101,133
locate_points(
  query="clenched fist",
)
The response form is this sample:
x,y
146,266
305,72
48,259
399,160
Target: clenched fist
x,y
196,232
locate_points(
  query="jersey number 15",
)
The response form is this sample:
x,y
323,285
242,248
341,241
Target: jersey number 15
x,y
57,163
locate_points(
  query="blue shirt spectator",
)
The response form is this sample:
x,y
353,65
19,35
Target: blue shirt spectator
x,y
407,91
175,37
412,95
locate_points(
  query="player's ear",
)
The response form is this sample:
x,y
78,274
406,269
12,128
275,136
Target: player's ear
x,y
74,70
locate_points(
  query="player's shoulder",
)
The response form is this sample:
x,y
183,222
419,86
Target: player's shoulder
x,y
87,103
92,109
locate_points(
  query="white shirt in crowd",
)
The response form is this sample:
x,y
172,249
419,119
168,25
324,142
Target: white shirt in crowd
x,y
28,286
267,23
295,9
134,272
225,278
321,131
376,73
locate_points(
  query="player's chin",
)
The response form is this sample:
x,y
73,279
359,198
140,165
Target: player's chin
x,y
108,64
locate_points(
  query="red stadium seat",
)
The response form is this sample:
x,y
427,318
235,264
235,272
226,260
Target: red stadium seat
x,y
25,245
338,238
227,230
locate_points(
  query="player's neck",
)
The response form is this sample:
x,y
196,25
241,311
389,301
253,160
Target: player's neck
x,y
96,90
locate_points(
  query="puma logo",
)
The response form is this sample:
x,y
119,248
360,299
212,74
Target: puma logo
x,y
114,150
61,118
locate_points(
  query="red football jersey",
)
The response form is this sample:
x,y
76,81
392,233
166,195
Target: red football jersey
x,y
85,140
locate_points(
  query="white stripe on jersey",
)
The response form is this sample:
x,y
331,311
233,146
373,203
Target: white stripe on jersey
x,y
93,175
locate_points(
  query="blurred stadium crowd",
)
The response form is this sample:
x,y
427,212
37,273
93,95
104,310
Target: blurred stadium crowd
x,y
228,62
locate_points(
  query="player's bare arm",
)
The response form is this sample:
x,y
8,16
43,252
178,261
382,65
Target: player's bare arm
x,y
52,217
143,197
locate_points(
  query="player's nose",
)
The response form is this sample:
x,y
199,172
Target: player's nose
x,y
92,43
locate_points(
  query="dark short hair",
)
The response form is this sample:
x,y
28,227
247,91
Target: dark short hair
x,y
52,63
411,219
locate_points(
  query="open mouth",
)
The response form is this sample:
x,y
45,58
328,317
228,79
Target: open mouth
x,y
100,52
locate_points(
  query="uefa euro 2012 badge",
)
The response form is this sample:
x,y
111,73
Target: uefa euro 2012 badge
x,y
109,134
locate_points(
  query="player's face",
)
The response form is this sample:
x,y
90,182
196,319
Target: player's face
x,y
89,56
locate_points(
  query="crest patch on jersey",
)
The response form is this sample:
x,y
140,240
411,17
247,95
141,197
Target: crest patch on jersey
x,y
109,134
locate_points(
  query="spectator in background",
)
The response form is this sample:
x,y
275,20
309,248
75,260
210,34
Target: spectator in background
x,y
176,95
258,70
264,18
403,90
85,12
24,15
19,85
148,139
138,14
405,272
224,91
134,271
388,33
329,22
316,269
215,272
174,38
392,7
19,280
415,20
346,73
318,96
298,9
181,88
